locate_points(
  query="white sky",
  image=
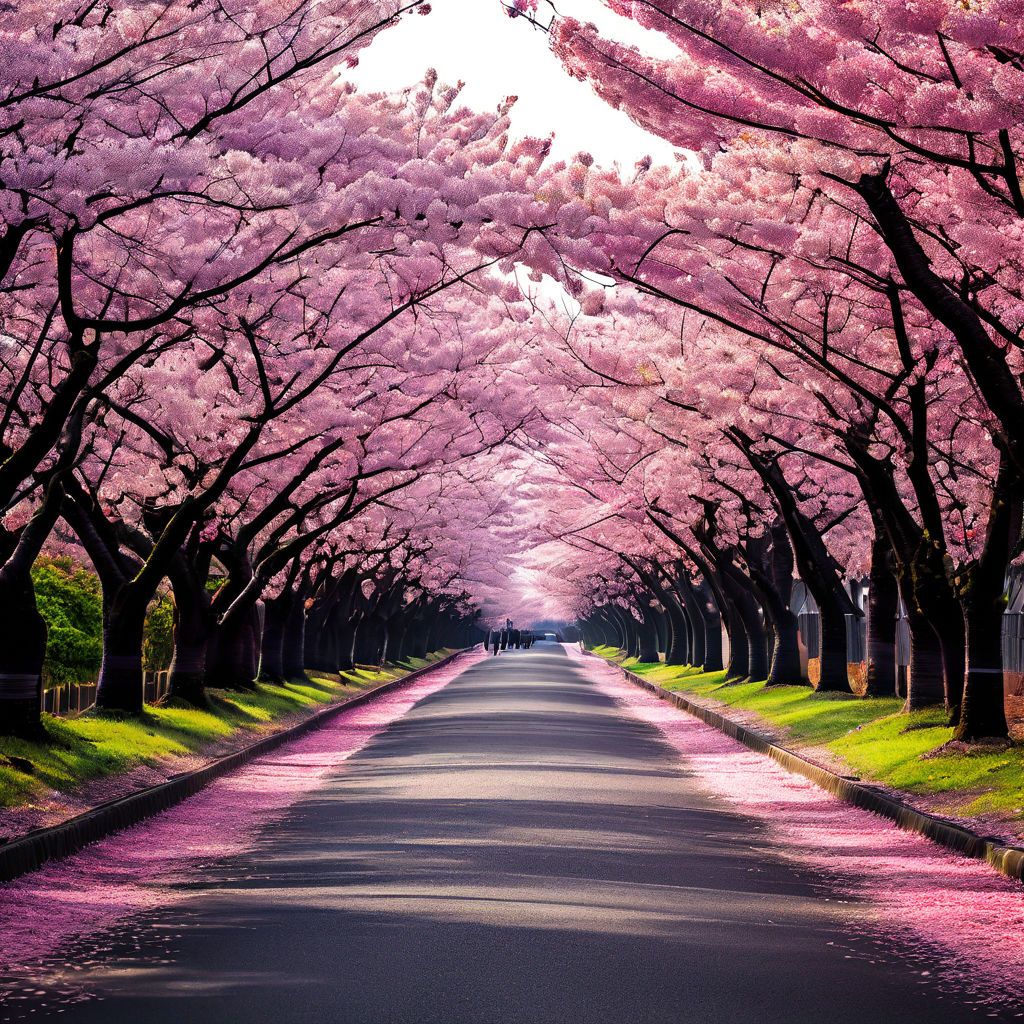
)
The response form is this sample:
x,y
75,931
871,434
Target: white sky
x,y
475,41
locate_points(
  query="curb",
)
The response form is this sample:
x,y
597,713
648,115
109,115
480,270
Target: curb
x,y
36,848
1006,859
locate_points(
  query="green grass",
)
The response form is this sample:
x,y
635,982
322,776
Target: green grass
x,y
98,744
872,736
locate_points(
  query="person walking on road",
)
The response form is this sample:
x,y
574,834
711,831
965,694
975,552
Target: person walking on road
x,y
495,639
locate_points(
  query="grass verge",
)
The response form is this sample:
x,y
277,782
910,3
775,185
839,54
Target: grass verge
x,y
98,744
871,735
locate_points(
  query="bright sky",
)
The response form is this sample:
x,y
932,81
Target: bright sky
x,y
475,41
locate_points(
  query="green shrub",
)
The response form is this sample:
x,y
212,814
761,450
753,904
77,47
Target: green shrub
x,y
69,599
158,639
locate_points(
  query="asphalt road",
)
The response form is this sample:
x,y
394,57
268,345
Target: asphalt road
x,y
514,850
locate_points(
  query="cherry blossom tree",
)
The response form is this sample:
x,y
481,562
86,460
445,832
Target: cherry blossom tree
x,y
906,121
178,178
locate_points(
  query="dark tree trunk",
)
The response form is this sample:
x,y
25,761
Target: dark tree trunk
x,y
418,644
934,596
369,641
678,652
193,628
233,656
757,648
663,629
983,708
622,633
746,629
360,629
696,618
386,641
275,615
633,631
711,621
983,711
883,608
816,565
187,677
739,650
925,685
686,626
345,642
770,565
293,645
786,669
22,651
835,676
647,636
713,609
120,681
314,656
933,612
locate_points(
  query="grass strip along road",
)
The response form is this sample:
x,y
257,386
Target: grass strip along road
x,y
870,738
34,776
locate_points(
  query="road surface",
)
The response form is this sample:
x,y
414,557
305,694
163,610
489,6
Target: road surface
x,y
514,849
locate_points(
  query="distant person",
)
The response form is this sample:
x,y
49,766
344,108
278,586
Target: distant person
x,y
504,639
495,639
517,638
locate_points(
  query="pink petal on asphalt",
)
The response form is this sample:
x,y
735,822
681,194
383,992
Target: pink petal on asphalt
x,y
957,909
137,869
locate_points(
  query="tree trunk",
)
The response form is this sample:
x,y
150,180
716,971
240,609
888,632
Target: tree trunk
x,y
276,611
368,641
707,619
739,650
883,608
662,630
647,638
698,627
835,678
714,660
748,656
946,616
418,646
786,670
925,686
22,652
983,711
232,660
120,682
753,629
193,627
293,665
345,636
187,677
983,708
678,652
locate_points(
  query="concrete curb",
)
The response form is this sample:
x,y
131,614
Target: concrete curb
x,y
1007,859
31,851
